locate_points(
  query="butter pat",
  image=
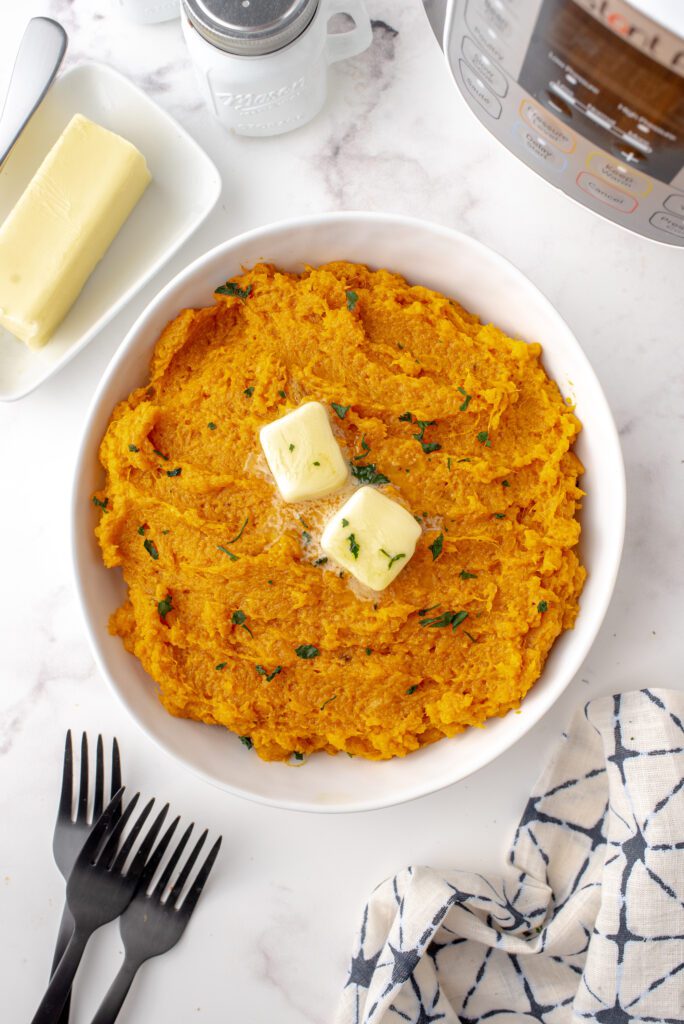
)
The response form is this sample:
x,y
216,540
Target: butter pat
x,y
372,537
303,455
63,224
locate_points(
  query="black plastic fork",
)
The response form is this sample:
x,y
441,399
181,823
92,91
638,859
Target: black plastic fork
x,y
99,889
71,833
152,925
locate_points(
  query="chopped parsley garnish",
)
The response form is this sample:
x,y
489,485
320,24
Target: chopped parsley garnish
x,y
449,463
341,410
365,448
369,650
368,474
234,290
345,522
283,394
392,558
249,391
316,463
411,689
467,398
436,547
352,299
321,561
328,701
427,447
142,528
499,515
211,425
306,537
307,651
233,558
543,606
155,451
353,545
465,460
292,447
505,483
174,472
164,607
268,675
465,575
133,448
453,619
483,438
246,741
470,636
151,549
242,530
297,756
101,504
301,520
221,665
424,611
239,618
406,417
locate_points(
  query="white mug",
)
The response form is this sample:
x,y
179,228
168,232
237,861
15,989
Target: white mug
x,y
275,92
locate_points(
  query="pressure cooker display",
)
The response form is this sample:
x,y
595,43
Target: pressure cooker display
x,y
609,91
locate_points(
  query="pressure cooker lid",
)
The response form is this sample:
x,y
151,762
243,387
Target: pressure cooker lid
x,y
250,27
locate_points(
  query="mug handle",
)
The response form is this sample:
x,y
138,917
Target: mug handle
x,y
341,45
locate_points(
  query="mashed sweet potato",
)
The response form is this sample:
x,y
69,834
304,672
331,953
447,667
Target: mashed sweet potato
x,y
227,589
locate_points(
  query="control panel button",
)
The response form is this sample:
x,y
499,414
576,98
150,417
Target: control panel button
x,y
486,37
484,67
675,204
545,123
669,223
619,201
479,91
496,15
619,174
539,147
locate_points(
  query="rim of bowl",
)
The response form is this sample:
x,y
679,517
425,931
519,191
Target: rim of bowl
x,y
602,600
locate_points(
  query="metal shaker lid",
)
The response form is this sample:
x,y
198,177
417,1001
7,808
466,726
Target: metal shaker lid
x,y
250,27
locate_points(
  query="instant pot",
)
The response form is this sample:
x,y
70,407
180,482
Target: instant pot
x,y
588,93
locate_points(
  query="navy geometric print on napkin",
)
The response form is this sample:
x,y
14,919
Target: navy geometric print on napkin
x,y
589,923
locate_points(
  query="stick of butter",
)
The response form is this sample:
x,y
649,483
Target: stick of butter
x,y
63,224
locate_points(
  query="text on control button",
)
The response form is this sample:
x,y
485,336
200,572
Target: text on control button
x,y
547,125
485,68
613,197
669,223
539,147
479,91
619,174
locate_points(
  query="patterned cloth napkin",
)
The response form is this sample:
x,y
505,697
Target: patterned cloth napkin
x,y
589,923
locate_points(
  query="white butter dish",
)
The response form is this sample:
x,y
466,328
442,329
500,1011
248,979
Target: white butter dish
x,y
184,188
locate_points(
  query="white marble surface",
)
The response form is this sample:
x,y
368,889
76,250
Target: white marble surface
x,y
271,939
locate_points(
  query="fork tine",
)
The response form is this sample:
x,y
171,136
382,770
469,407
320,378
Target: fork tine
x,y
109,849
127,846
140,860
66,796
159,851
187,868
195,890
173,860
116,768
100,827
98,802
82,806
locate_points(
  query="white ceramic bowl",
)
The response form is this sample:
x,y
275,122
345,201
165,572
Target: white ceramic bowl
x,y
484,283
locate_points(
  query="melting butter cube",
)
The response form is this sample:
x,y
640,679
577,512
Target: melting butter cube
x,y
371,536
303,455
63,224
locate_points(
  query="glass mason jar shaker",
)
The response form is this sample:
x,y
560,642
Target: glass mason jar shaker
x,y
263,64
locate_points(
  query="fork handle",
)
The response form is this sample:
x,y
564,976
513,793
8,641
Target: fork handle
x,y
66,930
58,990
116,995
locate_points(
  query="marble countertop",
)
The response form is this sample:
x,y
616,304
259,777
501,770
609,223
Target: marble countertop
x,y
271,940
